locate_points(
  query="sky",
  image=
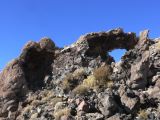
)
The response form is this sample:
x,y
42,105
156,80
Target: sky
x,y
65,20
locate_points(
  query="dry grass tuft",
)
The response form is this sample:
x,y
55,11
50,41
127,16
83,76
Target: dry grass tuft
x,y
79,72
68,82
99,78
102,73
142,114
80,90
61,113
90,82
72,80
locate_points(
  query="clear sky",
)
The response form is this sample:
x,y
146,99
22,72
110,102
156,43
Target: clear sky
x,y
65,20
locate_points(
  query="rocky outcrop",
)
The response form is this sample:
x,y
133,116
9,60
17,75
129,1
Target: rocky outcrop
x,y
140,68
25,73
95,44
13,87
37,59
46,82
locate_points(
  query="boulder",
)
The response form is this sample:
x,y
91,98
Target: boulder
x,y
129,100
107,104
139,72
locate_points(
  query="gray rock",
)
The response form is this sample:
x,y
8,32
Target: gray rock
x,y
128,99
94,116
139,72
107,104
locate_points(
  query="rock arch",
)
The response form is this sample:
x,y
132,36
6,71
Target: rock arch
x,y
95,44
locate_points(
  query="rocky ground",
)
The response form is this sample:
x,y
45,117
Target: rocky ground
x,y
82,81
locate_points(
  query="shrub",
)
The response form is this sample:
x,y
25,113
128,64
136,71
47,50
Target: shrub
x,y
142,114
90,82
101,75
61,113
68,83
72,80
80,90
79,72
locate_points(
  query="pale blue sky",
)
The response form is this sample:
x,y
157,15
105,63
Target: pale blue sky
x,y
65,20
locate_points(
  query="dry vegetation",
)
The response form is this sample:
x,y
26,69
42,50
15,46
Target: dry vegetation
x,y
68,82
90,82
101,75
61,113
80,90
72,80
142,114
98,79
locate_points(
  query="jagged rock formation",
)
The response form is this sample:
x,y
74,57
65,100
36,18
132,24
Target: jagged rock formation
x,y
82,81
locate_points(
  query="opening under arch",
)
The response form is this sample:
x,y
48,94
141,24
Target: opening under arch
x,y
117,54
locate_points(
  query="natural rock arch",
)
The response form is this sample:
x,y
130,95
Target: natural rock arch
x,y
99,44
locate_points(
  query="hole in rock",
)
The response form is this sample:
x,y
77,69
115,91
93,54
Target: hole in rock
x,y
117,54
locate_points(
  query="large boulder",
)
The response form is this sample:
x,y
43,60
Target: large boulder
x,y
139,72
107,104
129,101
140,69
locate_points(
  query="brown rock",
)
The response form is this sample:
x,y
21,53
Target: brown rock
x,y
13,86
47,44
94,44
129,100
83,106
139,72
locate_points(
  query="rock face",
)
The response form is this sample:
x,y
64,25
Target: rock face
x,y
13,86
46,82
25,73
